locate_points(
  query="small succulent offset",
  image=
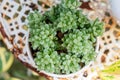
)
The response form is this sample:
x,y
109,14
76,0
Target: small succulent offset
x,y
63,38
48,59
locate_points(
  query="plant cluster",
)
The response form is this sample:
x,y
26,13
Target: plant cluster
x,y
63,38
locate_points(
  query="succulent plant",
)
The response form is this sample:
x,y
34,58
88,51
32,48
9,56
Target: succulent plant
x,y
63,38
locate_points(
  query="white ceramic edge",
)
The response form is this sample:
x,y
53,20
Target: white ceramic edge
x,y
68,75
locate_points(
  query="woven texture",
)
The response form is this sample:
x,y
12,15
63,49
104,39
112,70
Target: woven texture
x,y
15,35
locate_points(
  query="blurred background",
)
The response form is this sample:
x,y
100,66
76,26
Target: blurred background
x,y
12,69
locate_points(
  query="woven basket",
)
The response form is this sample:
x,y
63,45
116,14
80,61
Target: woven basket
x,y
15,35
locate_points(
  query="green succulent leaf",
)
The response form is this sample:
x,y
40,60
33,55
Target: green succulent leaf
x,y
72,4
48,60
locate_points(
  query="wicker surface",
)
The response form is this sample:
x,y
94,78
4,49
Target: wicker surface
x,y
15,35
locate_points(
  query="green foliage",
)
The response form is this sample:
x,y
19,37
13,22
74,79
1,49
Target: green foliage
x,y
48,60
79,42
43,35
82,21
63,54
71,4
69,63
67,21
96,28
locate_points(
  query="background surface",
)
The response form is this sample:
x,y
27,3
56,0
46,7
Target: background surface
x,y
12,69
